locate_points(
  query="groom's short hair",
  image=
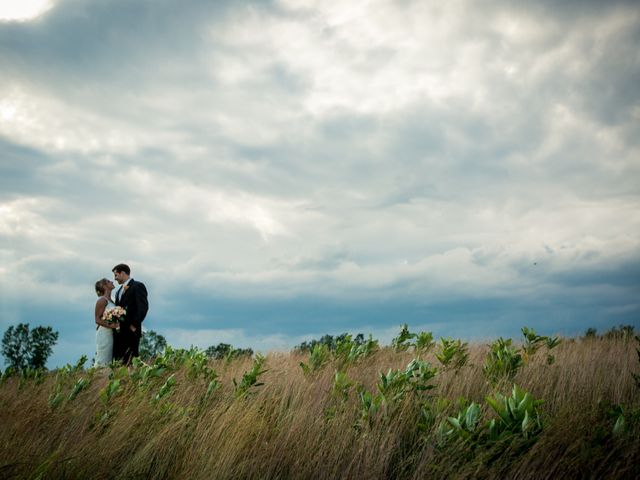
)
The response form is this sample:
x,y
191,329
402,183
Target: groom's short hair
x,y
121,267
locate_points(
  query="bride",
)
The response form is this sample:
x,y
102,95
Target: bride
x,y
104,330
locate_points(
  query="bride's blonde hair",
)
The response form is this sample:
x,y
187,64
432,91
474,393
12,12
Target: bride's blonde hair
x,y
100,286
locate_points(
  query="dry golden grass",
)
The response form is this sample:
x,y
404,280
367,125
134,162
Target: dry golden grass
x,y
292,426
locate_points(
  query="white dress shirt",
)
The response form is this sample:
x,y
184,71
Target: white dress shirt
x,y
121,290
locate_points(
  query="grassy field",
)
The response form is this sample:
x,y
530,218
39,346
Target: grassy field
x,y
185,417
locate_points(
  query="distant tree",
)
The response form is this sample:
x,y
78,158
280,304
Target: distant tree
x,y
152,344
218,351
621,331
328,340
590,333
224,350
23,348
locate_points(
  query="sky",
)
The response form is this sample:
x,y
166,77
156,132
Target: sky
x,y
275,171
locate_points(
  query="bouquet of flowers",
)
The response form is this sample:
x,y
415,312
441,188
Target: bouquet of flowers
x,y
114,315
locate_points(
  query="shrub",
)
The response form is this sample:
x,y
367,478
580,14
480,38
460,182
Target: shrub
x,y
415,378
369,406
402,341
81,384
465,426
35,374
318,358
424,342
341,386
517,415
551,343
110,391
452,353
142,373
166,388
348,351
250,378
503,360
532,342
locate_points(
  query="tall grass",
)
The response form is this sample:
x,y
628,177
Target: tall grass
x,y
296,426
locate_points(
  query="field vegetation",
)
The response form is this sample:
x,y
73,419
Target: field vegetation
x,y
534,407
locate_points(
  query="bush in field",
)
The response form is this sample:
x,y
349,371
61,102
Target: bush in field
x,y
465,425
341,386
318,358
142,374
348,351
249,379
421,342
403,341
166,387
503,360
415,378
517,415
393,387
28,349
551,343
69,377
452,353
424,342
532,342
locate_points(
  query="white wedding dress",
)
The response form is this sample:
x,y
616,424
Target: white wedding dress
x,y
104,340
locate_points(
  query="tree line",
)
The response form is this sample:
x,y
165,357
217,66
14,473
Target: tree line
x,y
25,348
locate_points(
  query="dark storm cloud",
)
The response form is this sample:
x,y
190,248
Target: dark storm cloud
x,y
80,41
273,171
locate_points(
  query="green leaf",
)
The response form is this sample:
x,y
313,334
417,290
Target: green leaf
x,y
526,403
455,422
472,416
497,404
525,422
619,426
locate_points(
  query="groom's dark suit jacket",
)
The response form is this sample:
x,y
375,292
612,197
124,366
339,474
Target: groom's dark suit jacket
x,y
134,300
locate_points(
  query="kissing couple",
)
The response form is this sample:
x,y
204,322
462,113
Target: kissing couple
x,y
119,320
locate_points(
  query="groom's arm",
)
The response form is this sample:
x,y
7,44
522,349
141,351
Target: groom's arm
x,y
142,304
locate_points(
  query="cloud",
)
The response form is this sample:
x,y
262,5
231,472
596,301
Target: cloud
x,y
274,170
24,10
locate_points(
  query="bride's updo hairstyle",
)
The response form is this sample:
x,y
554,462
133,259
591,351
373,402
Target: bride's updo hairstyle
x,y
100,286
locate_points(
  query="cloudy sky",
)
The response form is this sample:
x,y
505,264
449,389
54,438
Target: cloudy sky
x,y
274,171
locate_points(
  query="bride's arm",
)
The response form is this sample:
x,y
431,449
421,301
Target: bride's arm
x,y
101,304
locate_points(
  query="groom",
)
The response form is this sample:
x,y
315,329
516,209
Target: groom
x,y
132,296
